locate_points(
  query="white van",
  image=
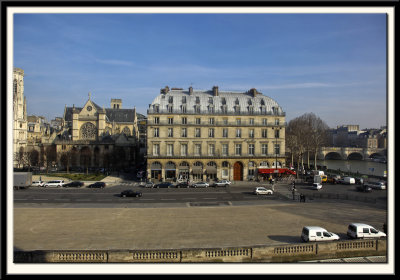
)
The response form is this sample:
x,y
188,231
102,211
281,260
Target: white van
x,y
312,233
54,183
349,180
357,230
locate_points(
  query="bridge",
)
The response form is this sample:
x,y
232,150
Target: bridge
x,y
349,153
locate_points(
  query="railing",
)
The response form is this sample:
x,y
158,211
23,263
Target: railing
x,y
281,253
216,123
217,112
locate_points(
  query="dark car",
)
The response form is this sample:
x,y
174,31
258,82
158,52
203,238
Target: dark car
x,y
363,188
183,185
163,185
74,184
130,193
97,185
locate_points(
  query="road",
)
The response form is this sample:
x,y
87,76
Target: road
x,y
235,194
111,195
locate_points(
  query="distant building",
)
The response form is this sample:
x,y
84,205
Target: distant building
x,y
352,136
37,129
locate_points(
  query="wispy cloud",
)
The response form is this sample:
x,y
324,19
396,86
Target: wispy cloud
x,y
114,62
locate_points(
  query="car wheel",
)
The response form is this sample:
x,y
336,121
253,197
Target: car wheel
x,y
124,195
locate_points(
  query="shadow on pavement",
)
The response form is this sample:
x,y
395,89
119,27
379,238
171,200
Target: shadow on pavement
x,y
285,238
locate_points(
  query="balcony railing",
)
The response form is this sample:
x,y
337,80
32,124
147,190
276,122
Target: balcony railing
x,y
218,112
216,123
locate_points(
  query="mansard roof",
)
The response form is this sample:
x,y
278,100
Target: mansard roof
x,y
229,102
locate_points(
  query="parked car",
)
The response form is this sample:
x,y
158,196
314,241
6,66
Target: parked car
x,y
262,190
376,185
332,180
97,185
183,185
316,186
163,185
54,183
37,184
349,180
131,193
74,184
363,188
358,230
147,184
222,183
313,233
201,185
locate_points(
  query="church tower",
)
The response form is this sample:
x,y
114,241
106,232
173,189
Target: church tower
x,y
20,132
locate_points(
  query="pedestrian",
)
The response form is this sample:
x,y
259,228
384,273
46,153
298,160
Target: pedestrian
x,y
293,192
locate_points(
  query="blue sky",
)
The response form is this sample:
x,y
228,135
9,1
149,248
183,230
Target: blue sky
x,y
333,65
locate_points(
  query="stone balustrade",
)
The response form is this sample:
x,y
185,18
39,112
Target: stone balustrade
x,y
269,254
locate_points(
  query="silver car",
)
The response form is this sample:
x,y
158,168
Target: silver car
x,y
200,185
262,190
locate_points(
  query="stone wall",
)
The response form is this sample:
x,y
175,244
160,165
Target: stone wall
x,y
268,254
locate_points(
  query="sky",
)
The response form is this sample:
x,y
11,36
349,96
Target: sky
x,y
332,65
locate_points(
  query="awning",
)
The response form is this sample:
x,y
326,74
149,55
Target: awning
x,y
274,170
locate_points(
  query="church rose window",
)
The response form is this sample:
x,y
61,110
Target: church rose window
x,y
126,131
88,131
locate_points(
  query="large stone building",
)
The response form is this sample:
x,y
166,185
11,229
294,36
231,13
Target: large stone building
x,y
19,116
200,135
94,136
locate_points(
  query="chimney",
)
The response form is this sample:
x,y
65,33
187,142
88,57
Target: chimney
x,y
165,90
253,92
215,90
190,91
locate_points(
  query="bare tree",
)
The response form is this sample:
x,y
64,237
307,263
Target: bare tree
x,y
51,155
306,134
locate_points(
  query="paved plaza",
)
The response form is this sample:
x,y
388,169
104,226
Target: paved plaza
x,y
172,226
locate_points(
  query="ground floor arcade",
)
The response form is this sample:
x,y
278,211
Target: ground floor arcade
x,y
232,169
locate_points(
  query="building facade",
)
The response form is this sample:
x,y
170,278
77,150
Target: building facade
x,y
97,137
19,116
201,135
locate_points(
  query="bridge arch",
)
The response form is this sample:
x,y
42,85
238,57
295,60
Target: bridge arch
x,y
333,155
355,156
376,155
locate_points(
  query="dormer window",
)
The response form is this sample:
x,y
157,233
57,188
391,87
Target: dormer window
x,y
223,101
237,109
170,99
197,100
184,99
